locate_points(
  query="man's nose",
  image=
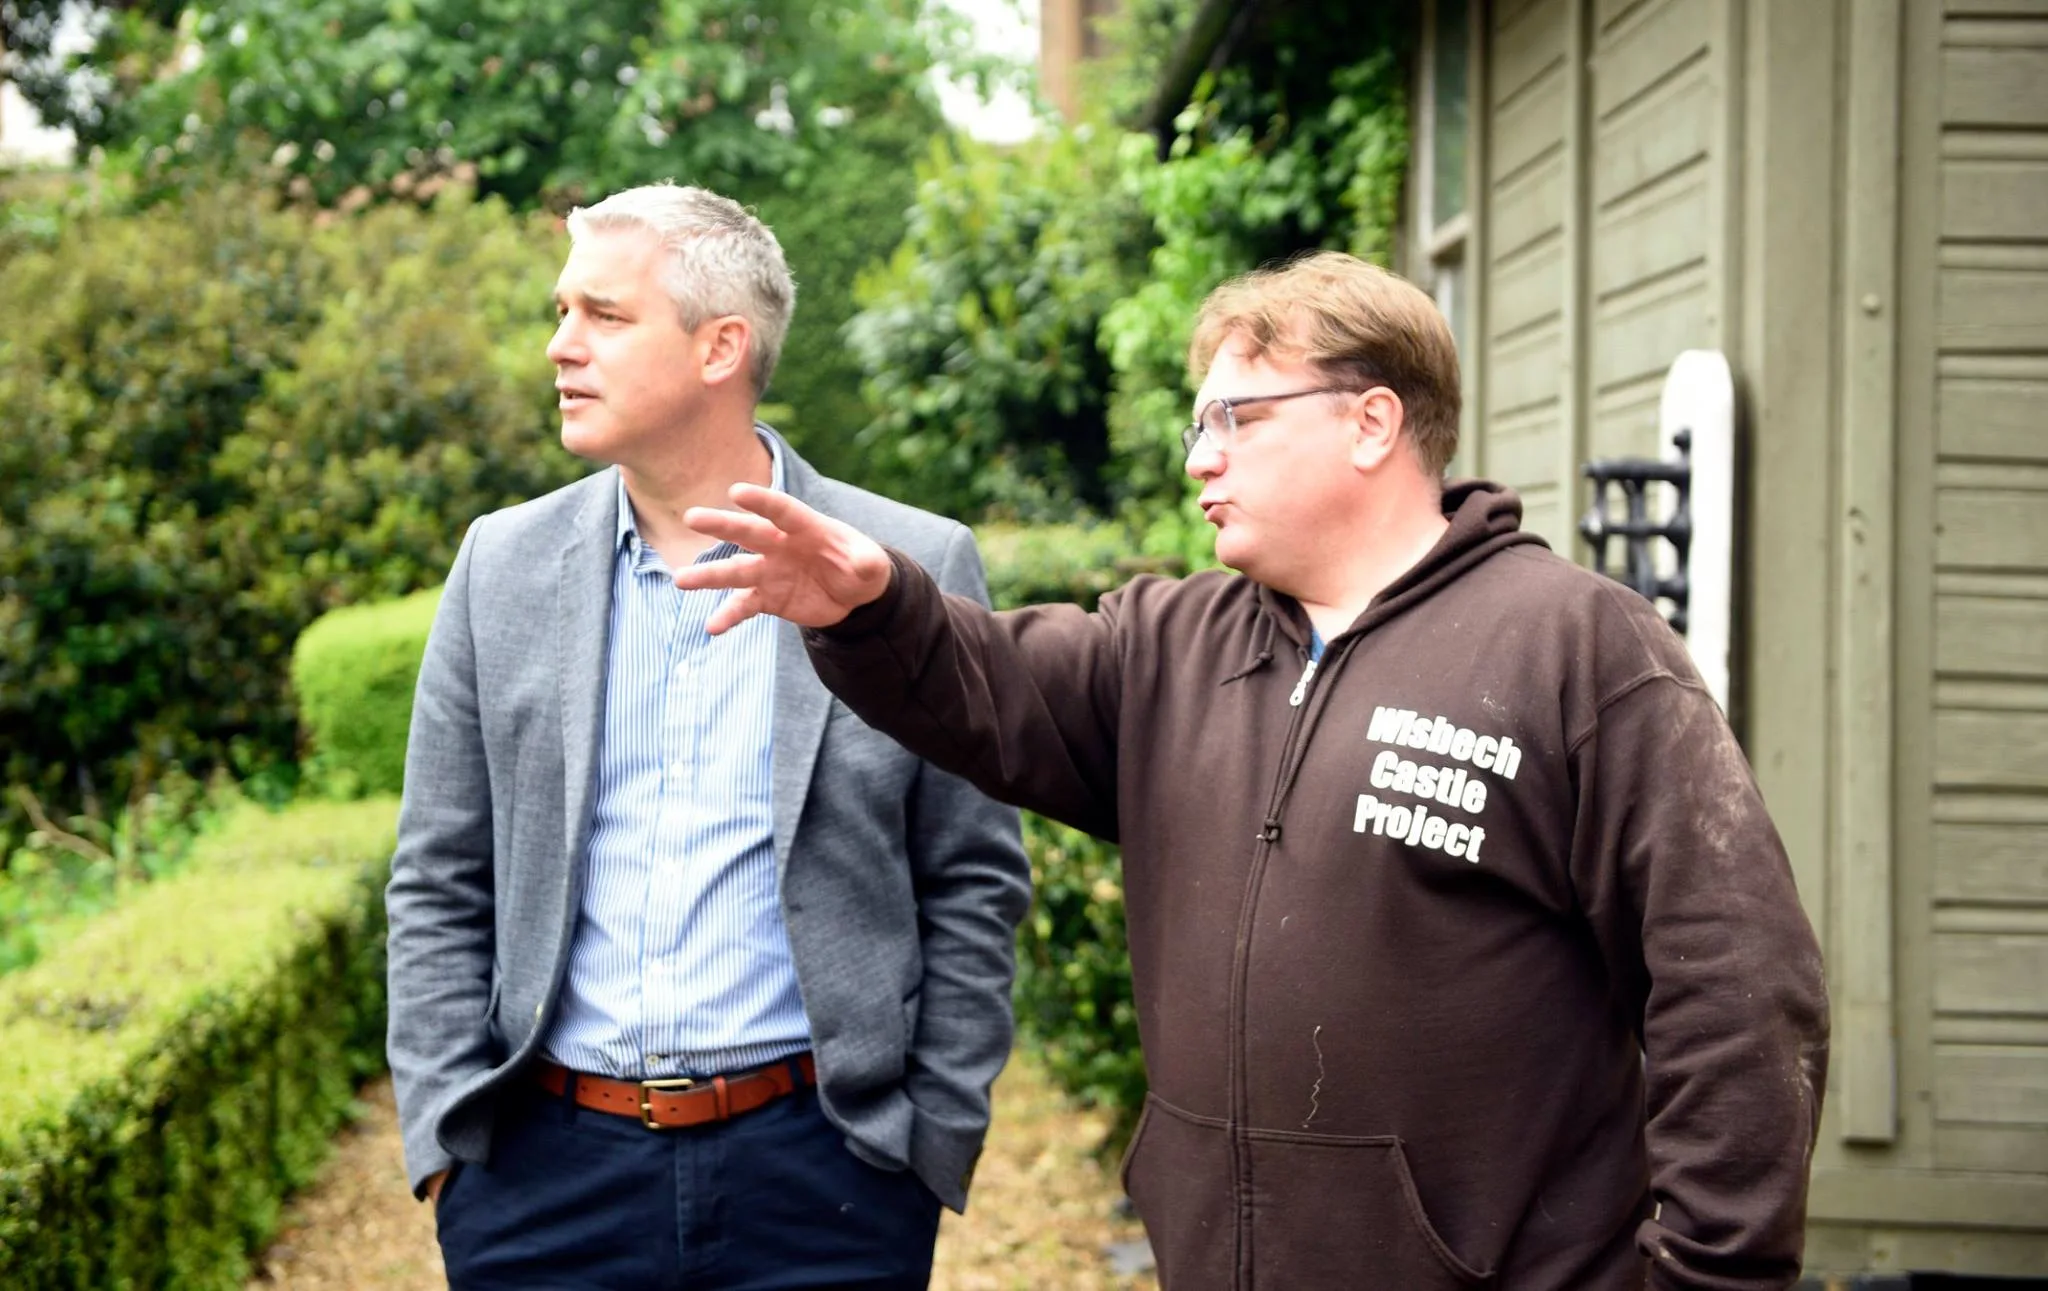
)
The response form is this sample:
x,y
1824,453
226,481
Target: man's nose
x,y
566,345
1205,460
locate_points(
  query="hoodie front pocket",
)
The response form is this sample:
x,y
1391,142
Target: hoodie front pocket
x,y
1330,1212
1177,1172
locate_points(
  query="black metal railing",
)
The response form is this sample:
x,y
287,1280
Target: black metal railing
x,y
1634,530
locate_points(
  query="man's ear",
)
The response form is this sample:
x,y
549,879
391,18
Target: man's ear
x,y
725,342
1376,421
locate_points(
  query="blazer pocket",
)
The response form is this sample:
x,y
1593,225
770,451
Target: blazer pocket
x,y
911,1003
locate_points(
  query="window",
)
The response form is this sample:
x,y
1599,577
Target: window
x,y
1441,183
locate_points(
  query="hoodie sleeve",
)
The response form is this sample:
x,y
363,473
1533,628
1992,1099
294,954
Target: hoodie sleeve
x,y
1691,896
1022,704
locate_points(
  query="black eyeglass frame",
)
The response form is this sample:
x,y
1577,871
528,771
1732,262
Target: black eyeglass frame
x,y
1194,430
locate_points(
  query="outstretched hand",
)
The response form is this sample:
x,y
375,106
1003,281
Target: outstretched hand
x,y
804,567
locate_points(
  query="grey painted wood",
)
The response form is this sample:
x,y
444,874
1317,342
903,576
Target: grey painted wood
x,y
1921,133
1864,978
1785,361
1575,314
1522,264
1987,706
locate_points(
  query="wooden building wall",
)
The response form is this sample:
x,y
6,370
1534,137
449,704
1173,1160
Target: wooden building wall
x,y
1602,203
1980,349
1849,198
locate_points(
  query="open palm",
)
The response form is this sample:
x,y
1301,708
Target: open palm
x,y
804,567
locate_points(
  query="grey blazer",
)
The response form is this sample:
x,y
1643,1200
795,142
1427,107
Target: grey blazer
x,y
901,886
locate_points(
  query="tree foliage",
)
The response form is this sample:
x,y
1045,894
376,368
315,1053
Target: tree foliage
x,y
1026,346
1281,154
223,420
812,111
978,336
566,97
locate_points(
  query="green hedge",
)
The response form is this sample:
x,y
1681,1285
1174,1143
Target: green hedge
x,y
1073,991
353,671
179,1063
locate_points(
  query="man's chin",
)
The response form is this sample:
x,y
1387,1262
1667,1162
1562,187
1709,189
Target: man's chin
x,y
1234,551
589,442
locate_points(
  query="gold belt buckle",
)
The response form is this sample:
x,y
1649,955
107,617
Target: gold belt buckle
x,y
647,1089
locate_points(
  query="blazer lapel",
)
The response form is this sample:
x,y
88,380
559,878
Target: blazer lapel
x,y
801,700
583,629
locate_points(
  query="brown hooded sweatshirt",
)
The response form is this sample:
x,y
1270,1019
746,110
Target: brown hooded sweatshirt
x,y
1468,957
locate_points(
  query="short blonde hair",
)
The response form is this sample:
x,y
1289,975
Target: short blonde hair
x,y
1353,322
721,260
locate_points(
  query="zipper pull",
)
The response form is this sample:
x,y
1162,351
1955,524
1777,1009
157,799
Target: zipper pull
x,y
1308,675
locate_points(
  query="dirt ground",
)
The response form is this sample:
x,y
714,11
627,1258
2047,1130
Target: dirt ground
x,y
1041,1215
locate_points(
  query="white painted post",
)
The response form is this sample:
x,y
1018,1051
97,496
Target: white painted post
x,y
1699,396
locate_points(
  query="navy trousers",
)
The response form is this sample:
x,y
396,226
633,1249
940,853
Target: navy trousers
x,y
769,1200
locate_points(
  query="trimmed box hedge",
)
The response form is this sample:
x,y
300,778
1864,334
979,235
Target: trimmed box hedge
x,y
353,671
174,1068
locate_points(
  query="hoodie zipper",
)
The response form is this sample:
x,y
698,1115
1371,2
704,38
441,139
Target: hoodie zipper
x,y
1308,675
1300,726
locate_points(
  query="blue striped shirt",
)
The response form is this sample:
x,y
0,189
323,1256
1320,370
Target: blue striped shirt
x,y
681,963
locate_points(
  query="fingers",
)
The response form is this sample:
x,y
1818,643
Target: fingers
x,y
733,611
735,527
732,571
786,513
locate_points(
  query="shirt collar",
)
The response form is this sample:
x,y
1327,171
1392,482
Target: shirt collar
x,y
629,529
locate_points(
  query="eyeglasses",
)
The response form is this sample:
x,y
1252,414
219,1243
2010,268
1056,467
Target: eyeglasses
x,y
1218,418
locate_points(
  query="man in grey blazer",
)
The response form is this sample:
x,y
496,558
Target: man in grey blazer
x,y
695,979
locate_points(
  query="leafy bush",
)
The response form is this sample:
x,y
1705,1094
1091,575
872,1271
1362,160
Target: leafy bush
x,y
1046,563
223,421
546,99
1073,991
168,1074
979,336
353,671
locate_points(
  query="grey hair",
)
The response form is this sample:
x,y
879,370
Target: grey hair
x,y
721,260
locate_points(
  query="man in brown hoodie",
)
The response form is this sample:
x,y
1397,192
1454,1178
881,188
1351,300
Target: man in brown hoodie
x,y
1464,949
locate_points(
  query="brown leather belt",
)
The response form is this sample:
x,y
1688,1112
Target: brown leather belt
x,y
674,1104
